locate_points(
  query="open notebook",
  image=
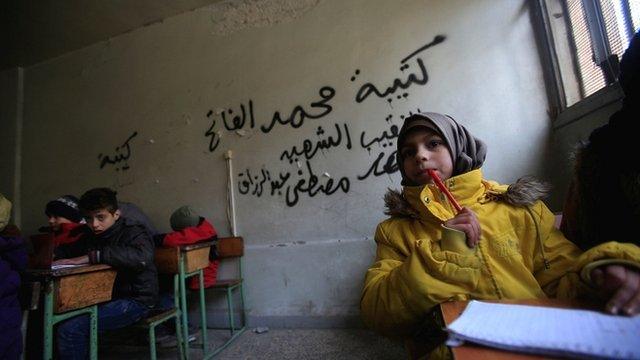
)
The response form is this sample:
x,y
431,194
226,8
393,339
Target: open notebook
x,y
548,331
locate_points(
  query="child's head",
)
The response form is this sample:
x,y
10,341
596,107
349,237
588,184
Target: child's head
x,y
100,208
184,217
436,141
63,210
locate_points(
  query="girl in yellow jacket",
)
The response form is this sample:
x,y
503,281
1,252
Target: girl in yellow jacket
x,y
501,245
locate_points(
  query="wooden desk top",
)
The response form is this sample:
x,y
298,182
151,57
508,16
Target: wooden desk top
x,y
67,271
76,287
451,311
196,245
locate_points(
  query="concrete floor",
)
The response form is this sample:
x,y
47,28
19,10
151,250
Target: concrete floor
x,y
280,344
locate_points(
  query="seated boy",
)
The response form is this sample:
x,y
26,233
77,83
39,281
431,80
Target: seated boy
x,y
190,228
65,220
126,246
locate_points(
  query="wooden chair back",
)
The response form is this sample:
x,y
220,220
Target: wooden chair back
x,y
230,247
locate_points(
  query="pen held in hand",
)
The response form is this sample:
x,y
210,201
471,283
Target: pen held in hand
x,y
444,190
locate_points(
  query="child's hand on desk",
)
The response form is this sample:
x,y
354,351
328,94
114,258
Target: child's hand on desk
x,y
80,260
467,222
622,284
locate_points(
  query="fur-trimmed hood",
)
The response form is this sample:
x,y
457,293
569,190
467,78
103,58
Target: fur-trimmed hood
x,y
524,192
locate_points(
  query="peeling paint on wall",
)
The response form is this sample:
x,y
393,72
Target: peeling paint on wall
x,y
232,16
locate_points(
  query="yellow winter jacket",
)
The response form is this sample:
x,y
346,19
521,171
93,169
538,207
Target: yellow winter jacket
x,y
521,255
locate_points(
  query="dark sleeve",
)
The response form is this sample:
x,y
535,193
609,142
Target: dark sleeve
x,y
213,252
71,250
135,252
158,239
14,252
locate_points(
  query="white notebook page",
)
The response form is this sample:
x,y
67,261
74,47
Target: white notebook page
x,y
547,330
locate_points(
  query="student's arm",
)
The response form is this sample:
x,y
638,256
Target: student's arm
x,y
569,270
71,250
134,253
403,285
14,252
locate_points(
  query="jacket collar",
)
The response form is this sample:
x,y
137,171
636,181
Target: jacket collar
x,y
67,227
468,188
429,200
113,230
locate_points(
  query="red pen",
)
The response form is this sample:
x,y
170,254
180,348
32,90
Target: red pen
x,y
444,189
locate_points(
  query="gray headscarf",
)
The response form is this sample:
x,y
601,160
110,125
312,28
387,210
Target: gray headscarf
x,y
467,152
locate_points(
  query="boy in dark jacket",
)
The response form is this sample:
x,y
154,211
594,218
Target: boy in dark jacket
x,y
126,246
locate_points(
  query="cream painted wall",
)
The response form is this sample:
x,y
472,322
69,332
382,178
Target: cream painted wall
x,y
11,97
161,81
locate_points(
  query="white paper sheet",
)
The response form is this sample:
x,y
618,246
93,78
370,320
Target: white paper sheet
x,y
56,267
544,330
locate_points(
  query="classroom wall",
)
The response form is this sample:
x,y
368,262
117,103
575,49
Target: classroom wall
x,y
10,135
308,96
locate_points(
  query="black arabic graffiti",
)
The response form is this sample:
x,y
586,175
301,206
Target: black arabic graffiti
x,y
123,153
390,166
312,187
309,148
298,115
308,183
384,139
368,88
295,184
238,121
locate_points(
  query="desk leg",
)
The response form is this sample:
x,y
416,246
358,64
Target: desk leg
x,y
93,332
48,321
203,314
230,305
183,305
182,349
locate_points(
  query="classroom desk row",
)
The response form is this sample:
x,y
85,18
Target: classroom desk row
x,y
74,291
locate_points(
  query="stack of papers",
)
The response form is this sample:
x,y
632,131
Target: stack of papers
x,y
56,267
548,331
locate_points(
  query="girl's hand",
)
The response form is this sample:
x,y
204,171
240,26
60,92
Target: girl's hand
x,y
467,222
621,285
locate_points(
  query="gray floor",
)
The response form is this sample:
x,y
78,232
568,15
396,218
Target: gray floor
x,y
281,344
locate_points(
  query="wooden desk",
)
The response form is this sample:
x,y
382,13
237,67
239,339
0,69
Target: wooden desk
x,y
70,292
184,262
451,311
77,287
195,256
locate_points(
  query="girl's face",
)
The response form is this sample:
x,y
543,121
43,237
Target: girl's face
x,y
424,149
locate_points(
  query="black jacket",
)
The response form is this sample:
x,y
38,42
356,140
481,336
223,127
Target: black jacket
x,y
128,248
